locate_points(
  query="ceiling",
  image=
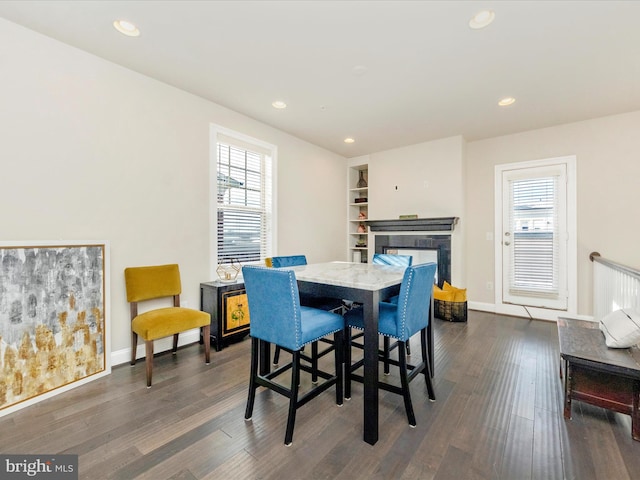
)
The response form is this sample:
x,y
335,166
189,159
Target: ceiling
x,y
386,73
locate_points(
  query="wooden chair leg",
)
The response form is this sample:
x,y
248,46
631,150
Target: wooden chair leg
x,y
339,351
404,380
292,393
276,356
314,363
293,399
347,363
430,391
206,331
248,413
407,345
148,344
175,343
386,351
428,367
429,337
134,347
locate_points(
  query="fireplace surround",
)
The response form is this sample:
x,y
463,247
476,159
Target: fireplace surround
x,y
394,236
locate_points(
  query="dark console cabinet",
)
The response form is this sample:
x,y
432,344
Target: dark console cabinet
x,y
227,305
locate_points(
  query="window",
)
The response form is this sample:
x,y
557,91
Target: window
x,y
533,222
243,200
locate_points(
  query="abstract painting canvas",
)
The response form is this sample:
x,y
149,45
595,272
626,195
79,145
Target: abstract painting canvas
x,y
53,324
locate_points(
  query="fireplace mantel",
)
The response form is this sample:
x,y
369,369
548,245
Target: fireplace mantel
x,y
442,224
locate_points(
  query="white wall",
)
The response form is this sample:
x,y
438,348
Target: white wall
x,y
426,179
459,180
92,151
608,197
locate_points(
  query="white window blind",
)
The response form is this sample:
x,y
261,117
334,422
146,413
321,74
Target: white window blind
x,y
243,203
534,225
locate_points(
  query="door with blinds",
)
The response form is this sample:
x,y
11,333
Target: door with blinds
x,y
534,237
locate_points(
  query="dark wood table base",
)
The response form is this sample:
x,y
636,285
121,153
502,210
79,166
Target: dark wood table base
x,y
598,375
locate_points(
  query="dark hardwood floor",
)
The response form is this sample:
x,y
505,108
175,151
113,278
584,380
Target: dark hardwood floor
x,y
498,415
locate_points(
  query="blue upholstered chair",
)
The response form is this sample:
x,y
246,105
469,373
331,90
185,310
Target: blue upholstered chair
x,y
288,261
278,318
398,261
392,259
323,303
400,321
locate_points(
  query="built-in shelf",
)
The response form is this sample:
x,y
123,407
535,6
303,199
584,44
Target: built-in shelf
x,y
355,209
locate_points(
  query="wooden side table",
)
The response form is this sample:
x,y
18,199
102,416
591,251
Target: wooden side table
x,y
227,304
598,375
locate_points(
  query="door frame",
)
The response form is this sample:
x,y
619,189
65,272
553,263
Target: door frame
x,y
572,255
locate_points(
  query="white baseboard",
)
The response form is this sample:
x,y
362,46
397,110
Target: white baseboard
x,y
529,312
164,344
483,307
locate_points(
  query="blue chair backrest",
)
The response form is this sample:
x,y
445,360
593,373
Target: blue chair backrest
x,y
288,261
389,259
274,305
414,299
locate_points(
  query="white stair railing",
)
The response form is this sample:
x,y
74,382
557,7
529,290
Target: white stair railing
x,y
615,286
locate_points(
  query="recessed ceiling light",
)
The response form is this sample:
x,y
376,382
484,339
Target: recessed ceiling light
x,y
506,101
349,140
482,19
279,104
126,28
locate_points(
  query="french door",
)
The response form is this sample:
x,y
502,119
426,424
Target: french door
x,y
533,231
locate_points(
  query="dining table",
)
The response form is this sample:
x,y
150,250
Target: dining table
x,y
366,284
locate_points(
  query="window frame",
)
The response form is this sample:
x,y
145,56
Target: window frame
x,y
219,134
571,252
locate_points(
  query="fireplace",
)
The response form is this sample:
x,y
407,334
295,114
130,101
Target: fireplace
x,y
423,248
418,241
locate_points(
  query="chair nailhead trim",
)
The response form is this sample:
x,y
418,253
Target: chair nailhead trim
x,y
403,314
296,312
318,338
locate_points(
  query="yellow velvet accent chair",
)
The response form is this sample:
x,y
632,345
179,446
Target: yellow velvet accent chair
x,y
153,282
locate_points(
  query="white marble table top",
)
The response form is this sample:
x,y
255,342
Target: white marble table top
x,y
364,276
